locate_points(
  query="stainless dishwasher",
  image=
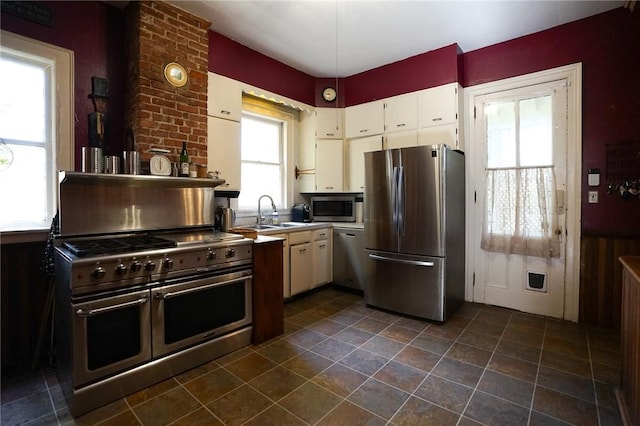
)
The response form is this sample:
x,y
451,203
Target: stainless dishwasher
x,y
348,257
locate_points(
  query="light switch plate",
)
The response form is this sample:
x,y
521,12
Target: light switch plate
x,y
593,197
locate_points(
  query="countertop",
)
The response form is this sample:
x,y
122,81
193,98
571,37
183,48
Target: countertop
x,y
632,263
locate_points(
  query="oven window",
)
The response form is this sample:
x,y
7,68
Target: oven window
x,y
195,313
332,208
113,336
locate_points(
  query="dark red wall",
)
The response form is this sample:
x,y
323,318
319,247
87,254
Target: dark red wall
x,y
93,30
608,45
233,60
429,69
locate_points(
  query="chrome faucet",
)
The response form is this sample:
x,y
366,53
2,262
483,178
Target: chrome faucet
x,y
261,217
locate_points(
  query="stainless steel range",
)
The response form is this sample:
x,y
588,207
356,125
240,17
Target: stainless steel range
x,y
145,287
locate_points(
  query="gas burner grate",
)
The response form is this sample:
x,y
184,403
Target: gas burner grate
x,y
100,246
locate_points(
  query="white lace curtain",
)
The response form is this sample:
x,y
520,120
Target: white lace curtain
x,y
520,212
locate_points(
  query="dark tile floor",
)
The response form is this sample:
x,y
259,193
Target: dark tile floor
x,y
342,363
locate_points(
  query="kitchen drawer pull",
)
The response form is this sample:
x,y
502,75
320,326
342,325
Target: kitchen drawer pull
x,y
225,112
364,130
91,312
329,134
197,288
406,262
437,119
400,125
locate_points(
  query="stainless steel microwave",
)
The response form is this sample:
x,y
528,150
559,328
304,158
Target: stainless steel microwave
x,y
336,208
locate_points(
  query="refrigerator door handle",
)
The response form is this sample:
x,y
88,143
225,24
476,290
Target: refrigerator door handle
x,y
406,262
394,199
401,201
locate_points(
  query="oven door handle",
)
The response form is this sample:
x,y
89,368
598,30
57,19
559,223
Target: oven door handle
x,y
90,312
171,294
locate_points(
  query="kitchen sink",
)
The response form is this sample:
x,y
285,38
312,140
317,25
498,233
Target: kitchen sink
x,y
263,227
259,227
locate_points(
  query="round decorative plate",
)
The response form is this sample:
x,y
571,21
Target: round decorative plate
x,y
175,74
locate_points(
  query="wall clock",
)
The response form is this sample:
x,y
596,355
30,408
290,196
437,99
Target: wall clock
x,y
175,74
329,94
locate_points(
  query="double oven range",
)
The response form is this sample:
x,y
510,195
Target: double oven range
x,y
145,287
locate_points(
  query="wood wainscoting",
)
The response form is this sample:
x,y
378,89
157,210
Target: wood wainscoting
x,y
24,294
601,278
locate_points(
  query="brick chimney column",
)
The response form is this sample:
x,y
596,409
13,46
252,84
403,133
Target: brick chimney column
x,y
161,115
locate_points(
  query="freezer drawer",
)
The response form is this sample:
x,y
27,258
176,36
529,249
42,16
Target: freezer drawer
x,y
410,285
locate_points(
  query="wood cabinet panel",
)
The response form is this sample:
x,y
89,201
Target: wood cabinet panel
x,y
268,303
629,397
601,278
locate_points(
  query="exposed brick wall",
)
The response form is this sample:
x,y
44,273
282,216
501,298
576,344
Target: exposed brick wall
x,y
161,115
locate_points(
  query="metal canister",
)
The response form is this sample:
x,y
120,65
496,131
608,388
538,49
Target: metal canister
x,y
92,160
131,163
112,164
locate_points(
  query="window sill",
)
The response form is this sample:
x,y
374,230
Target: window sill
x,y
18,237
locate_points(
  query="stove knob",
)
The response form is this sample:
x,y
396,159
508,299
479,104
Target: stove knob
x,y
99,273
231,252
211,254
121,269
149,266
136,266
167,263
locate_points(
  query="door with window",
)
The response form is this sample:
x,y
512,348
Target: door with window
x,y
520,178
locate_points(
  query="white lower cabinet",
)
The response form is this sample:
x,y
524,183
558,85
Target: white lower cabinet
x,y
310,260
300,261
322,258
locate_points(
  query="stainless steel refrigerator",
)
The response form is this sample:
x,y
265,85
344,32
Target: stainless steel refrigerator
x,y
414,230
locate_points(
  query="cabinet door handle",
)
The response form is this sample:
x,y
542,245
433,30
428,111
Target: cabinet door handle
x,y
302,251
401,125
364,130
323,246
329,134
225,112
437,119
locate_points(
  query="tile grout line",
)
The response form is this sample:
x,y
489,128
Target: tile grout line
x,y
535,383
484,370
593,377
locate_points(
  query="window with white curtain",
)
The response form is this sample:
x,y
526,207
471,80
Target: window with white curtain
x,y
36,129
266,136
520,214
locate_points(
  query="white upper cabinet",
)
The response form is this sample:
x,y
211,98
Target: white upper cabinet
x,y
224,97
223,151
438,105
405,139
329,165
356,150
330,123
364,120
401,113
447,134
440,116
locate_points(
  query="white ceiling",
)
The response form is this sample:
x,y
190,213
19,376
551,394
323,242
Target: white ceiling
x,y
339,38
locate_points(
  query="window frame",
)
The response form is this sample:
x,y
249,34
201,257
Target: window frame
x,y
252,105
60,151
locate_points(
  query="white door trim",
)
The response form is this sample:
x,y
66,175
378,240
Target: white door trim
x,y
573,74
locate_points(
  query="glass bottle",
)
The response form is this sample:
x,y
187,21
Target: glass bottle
x,y
183,169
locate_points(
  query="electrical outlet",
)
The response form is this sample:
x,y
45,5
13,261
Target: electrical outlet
x,y
593,197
